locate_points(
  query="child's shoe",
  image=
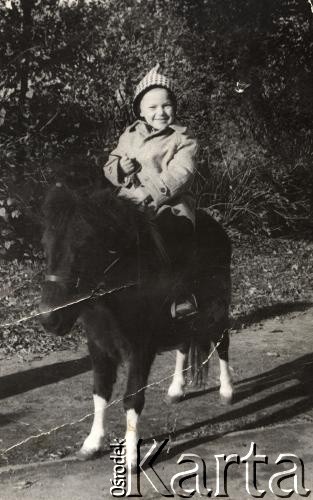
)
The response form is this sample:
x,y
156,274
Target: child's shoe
x,y
184,307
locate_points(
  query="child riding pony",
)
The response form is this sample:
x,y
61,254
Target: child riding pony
x,y
153,165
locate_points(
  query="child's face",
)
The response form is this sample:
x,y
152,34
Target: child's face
x,y
157,108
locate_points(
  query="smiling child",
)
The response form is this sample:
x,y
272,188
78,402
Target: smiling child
x,y
154,164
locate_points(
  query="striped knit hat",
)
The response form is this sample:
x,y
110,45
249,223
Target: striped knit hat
x,y
152,80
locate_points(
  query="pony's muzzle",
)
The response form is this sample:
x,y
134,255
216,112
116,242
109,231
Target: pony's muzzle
x,y
47,318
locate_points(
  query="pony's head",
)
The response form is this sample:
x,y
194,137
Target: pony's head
x,y
83,239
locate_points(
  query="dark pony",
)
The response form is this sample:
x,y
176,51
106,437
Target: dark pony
x,y
106,264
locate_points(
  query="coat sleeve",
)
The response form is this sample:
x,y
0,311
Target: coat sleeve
x,y
178,175
112,169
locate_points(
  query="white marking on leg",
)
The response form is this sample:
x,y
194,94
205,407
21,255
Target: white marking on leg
x,y
94,440
131,437
176,389
226,388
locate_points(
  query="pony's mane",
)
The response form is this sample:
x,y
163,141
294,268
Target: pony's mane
x,y
122,213
59,206
102,211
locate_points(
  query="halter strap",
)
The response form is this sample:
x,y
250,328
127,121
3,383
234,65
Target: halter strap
x,y
54,278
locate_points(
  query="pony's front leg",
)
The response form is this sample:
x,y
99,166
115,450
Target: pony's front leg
x,y
176,391
104,378
134,399
226,387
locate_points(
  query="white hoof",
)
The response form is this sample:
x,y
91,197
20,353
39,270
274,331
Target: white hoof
x,y
227,395
175,392
131,438
87,454
131,460
177,398
131,450
91,448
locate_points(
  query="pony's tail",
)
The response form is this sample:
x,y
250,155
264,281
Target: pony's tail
x,y
198,360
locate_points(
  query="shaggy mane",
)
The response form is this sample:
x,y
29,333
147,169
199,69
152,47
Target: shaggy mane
x,y
102,211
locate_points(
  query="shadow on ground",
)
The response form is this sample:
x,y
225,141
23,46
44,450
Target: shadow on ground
x,y
17,383
269,312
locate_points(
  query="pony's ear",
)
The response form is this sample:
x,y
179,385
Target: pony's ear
x,y
59,201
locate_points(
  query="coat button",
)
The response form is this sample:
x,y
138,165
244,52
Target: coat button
x,y
163,190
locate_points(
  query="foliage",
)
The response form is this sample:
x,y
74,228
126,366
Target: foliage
x,y
68,69
20,293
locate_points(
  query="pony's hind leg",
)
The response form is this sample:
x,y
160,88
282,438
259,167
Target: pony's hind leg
x,y
134,399
176,391
226,387
104,372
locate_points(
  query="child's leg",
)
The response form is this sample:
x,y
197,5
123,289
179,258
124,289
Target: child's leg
x,y
177,233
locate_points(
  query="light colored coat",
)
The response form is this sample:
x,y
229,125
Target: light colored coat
x,y
166,166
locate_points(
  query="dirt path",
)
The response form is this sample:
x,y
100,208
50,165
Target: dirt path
x,y
45,405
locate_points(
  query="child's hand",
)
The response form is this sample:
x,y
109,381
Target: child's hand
x,y
139,196
127,165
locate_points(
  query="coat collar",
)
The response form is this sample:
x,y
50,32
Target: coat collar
x,y
143,128
178,127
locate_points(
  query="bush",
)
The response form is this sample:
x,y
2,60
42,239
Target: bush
x,y
68,69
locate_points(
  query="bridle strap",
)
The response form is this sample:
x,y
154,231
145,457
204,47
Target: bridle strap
x,y
54,278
